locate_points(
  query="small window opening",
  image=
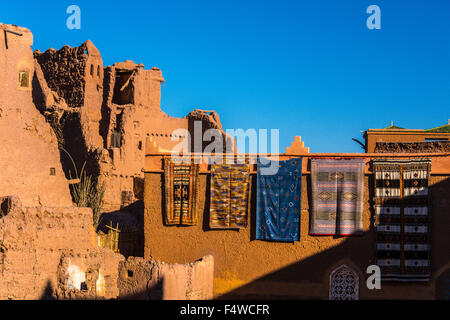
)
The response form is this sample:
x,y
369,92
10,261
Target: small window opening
x,y
119,121
92,70
83,286
130,273
123,88
140,145
52,171
23,79
116,136
5,207
98,71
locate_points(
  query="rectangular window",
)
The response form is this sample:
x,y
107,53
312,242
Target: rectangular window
x,y
23,79
116,139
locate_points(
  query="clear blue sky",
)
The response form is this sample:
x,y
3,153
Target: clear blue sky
x,y
308,68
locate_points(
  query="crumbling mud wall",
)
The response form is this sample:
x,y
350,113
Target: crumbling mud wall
x,y
92,274
64,71
103,116
208,119
141,279
53,253
68,90
48,253
29,159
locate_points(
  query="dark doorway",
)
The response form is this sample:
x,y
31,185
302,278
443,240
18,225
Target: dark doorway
x,y
123,88
116,136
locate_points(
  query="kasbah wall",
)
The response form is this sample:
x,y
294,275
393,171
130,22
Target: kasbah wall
x,y
29,147
246,268
48,101
52,253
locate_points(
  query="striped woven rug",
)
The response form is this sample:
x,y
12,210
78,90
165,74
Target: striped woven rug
x,y
229,196
337,195
403,219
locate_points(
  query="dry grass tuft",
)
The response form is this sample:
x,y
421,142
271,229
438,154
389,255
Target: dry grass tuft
x,y
86,193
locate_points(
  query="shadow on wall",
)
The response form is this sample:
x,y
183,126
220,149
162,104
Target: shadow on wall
x,y
66,124
154,291
75,144
141,279
130,222
48,293
308,278
312,275
105,110
443,285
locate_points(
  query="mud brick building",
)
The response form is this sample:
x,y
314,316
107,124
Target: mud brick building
x,y
110,118
395,139
66,99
